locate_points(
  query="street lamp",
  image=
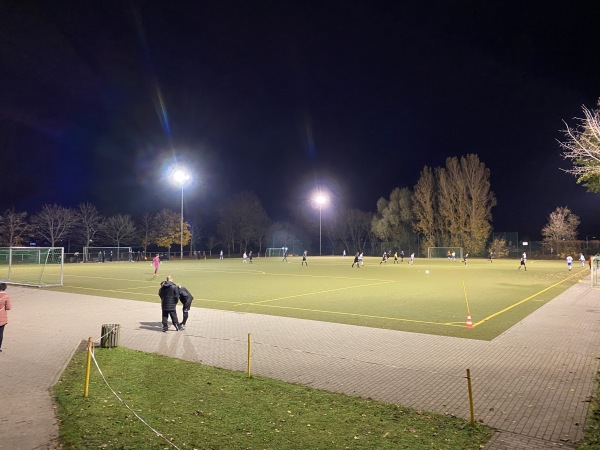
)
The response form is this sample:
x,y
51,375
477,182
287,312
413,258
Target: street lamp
x,y
320,199
181,176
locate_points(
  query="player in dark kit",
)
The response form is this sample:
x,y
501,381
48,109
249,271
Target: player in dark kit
x,y
185,297
356,260
384,258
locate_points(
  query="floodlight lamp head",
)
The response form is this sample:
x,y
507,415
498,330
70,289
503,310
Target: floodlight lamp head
x,y
181,176
320,199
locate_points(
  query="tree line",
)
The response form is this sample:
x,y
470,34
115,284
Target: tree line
x,y
449,206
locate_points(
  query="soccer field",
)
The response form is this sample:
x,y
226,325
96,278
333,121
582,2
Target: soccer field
x,y
432,296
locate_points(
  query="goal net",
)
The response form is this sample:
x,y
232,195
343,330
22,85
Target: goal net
x,y
107,254
445,252
595,271
32,266
275,252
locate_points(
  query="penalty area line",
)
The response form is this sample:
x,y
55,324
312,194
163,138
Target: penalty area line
x,y
502,311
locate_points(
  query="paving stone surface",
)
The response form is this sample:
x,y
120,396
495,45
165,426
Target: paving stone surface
x,y
533,383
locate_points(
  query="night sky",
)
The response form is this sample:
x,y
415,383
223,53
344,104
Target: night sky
x,y
281,97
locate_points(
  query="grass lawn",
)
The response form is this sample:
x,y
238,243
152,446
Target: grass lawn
x,y
199,407
432,296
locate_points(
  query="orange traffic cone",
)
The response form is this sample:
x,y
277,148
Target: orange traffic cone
x,y
469,321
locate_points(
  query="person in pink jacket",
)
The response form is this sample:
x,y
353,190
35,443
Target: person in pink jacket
x,y
4,306
156,263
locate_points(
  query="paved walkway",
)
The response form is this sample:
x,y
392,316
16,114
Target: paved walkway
x,y
533,383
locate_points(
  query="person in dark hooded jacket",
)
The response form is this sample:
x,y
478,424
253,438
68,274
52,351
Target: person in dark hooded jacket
x,y
169,295
186,300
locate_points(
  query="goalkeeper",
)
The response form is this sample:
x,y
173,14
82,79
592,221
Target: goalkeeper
x,y
186,300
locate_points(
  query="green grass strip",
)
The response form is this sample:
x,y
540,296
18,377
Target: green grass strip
x,y
200,407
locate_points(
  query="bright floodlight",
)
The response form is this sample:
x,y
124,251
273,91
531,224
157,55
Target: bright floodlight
x,y
181,176
321,199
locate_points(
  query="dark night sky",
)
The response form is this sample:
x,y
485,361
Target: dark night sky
x,y
279,97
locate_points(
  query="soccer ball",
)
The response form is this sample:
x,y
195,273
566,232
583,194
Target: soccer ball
x,y
426,271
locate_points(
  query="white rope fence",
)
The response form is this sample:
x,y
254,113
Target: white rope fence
x,y
92,353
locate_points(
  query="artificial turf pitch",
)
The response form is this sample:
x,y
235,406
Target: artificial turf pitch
x,y
432,296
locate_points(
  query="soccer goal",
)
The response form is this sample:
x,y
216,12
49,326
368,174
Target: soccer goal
x,y
32,266
106,254
278,252
595,269
443,252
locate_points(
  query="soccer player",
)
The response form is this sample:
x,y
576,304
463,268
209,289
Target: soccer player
x,y
156,263
245,257
250,256
401,256
582,259
569,262
396,258
465,258
360,259
384,258
356,260
412,258
523,263
304,259
285,255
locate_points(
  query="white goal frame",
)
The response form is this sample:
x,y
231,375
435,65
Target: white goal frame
x,y
595,271
90,254
275,251
442,252
32,266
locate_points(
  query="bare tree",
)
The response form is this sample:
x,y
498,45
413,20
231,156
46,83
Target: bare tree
x,y
562,226
424,208
195,233
464,202
90,220
358,224
227,229
244,221
582,147
212,242
145,231
479,203
14,228
54,223
451,201
119,229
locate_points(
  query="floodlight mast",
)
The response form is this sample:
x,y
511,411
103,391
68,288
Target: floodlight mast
x,y
181,177
321,200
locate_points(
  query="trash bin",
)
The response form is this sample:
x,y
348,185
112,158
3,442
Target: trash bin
x,y
110,335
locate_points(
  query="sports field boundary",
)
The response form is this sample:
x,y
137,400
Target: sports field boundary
x,y
532,383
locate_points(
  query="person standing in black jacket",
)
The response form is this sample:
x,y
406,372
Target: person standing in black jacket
x,y
169,295
186,300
